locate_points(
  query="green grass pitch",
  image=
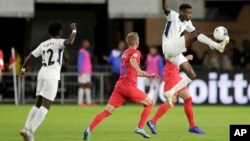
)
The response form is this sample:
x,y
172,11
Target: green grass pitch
x,y
66,123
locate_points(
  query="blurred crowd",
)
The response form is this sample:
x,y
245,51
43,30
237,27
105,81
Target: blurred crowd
x,y
234,58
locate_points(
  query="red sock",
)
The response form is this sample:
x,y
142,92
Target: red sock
x,y
98,118
160,112
144,115
189,111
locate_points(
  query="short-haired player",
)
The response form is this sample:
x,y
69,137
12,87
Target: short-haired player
x,y
172,76
51,52
174,43
126,88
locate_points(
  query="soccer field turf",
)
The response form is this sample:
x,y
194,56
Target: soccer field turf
x,y
66,123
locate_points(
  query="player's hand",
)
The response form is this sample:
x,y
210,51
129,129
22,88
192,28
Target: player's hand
x,y
72,26
143,73
153,75
22,73
104,57
190,57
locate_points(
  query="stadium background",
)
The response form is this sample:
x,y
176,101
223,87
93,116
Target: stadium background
x,y
24,24
220,97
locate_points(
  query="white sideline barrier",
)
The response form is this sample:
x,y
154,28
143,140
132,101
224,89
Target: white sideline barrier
x,y
67,84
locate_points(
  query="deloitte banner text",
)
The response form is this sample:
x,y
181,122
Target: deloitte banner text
x,y
221,88
218,88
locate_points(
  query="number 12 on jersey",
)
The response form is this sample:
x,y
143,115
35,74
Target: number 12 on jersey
x,y
47,57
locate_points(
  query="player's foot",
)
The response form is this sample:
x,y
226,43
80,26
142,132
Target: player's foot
x,y
86,134
223,44
27,134
169,97
196,130
152,127
141,132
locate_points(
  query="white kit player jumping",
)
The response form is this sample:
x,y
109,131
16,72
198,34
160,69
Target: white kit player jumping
x,y
51,52
174,43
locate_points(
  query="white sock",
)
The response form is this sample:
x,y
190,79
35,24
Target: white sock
x,y
38,119
206,40
88,95
182,83
156,94
151,92
80,95
30,117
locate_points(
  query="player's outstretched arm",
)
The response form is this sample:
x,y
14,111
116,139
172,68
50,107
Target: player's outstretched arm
x,y
165,7
72,36
134,64
140,72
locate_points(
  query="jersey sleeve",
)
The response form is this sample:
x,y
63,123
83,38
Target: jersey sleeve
x,y
172,15
136,55
62,43
190,27
38,51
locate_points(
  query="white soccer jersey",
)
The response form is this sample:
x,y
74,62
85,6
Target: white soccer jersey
x,y
174,26
52,53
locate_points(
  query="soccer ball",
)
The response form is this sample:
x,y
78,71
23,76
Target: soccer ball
x,y
220,33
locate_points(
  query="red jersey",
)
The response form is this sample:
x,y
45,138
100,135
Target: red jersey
x,y
171,76
128,74
171,72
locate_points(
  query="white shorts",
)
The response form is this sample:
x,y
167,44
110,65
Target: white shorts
x,y
172,50
173,47
47,88
178,60
84,78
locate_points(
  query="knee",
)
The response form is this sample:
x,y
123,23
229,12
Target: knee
x,y
195,33
150,105
192,75
110,108
188,100
148,102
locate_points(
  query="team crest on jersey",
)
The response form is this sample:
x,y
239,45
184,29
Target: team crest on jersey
x,y
135,55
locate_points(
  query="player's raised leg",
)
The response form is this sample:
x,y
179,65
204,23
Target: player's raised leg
x,y
190,38
188,109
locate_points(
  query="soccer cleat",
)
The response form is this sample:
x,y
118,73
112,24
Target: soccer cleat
x,y
196,130
142,133
86,134
223,44
27,134
152,127
169,97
